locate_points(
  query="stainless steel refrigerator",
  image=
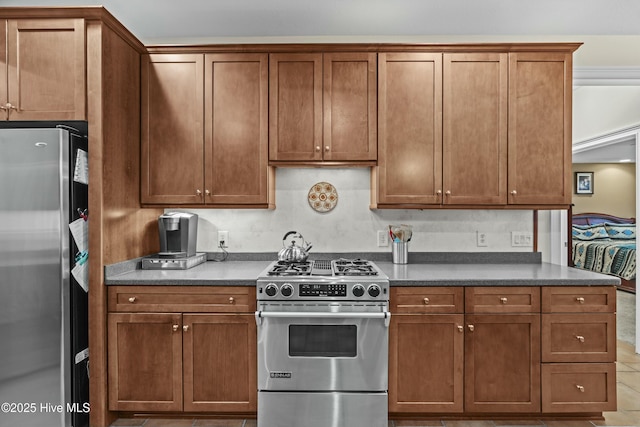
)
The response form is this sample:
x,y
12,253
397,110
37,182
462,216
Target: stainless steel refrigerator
x,y
44,363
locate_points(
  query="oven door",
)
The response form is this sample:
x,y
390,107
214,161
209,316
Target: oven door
x,y
323,347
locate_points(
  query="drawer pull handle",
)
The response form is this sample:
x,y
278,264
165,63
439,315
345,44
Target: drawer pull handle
x,y
460,328
581,388
471,328
503,300
185,328
580,300
580,338
232,300
175,328
132,300
426,300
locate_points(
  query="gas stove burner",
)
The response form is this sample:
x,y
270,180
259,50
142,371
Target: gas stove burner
x,y
284,268
354,267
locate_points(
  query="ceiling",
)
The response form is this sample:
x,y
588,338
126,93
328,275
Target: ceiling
x,y
608,28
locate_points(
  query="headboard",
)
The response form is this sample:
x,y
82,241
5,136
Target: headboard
x,y
599,218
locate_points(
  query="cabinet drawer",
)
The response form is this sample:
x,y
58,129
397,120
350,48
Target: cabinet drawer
x,y
179,299
579,337
427,300
579,299
503,299
578,387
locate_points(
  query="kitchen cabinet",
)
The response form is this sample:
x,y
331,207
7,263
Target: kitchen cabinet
x,y
426,350
172,349
322,107
540,89
443,129
578,349
42,69
204,130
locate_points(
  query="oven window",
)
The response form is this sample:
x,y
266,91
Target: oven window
x,y
323,340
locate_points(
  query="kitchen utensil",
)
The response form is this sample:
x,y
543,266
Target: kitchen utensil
x,y
295,252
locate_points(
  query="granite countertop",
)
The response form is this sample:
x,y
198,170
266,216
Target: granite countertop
x,y
496,269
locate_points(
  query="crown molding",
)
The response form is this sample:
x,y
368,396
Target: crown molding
x,y
606,76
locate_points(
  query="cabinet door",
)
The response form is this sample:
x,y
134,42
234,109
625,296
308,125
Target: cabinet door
x,y
475,128
350,107
145,361
172,130
539,128
295,106
502,363
410,128
46,69
220,362
426,358
236,128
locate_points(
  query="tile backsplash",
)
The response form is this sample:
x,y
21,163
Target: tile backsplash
x,y
351,226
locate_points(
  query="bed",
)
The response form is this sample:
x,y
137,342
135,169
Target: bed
x,y
605,244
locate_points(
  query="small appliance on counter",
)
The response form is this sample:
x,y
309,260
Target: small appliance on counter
x,y
178,237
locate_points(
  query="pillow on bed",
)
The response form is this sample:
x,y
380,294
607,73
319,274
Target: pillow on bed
x,y
589,232
621,231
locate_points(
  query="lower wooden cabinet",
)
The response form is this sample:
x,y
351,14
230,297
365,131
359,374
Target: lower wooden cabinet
x,y
502,350
173,362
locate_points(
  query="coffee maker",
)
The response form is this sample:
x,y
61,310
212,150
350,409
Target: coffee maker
x,y
178,234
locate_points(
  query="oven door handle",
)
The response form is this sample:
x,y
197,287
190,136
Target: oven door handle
x,y
386,315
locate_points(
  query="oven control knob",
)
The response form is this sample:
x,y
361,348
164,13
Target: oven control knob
x,y
286,290
358,290
373,290
271,289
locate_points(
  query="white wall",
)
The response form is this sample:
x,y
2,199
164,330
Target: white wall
x,y
352,226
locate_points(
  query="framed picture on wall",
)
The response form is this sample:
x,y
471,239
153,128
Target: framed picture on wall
x,y
584,182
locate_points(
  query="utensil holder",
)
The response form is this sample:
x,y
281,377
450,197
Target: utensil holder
x,y
400,252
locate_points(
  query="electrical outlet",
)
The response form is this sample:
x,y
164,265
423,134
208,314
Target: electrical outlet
x,y
383,238
521,239
481,237
223,239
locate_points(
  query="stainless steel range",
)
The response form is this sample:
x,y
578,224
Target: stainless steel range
x,y
323,334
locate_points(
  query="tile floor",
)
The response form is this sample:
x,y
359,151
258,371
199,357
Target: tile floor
x,y
627,415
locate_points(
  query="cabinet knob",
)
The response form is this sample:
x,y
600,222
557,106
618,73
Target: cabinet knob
x,y
185,328
503,300
326,148
581,388
198,192
580,338
439,192
426,300
460,328
580,300
514,192
471,327
207,192
132,300
447,193
175,328
317,148
232,300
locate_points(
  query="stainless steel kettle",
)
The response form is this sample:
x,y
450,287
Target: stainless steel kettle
x,y
295,252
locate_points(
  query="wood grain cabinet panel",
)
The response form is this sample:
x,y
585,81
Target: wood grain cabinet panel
x,y
322,107
502,299
502,363
43,71
540,86
427,300
145,361
410,129
578,387
579,299
579,337
474,154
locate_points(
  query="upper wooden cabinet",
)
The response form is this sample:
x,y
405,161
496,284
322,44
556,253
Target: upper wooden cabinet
x,y
410,129
204,129
540,86
474,154
322,107
42,69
